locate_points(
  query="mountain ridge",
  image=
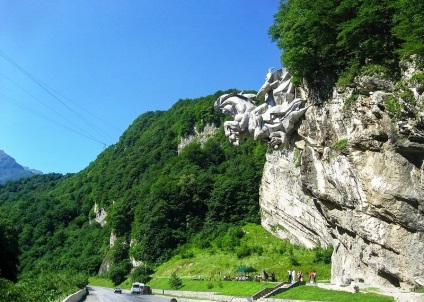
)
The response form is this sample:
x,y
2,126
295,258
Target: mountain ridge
x,y
11,170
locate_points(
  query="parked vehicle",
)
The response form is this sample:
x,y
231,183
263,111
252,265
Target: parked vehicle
x,y
136,288
146,290
117,290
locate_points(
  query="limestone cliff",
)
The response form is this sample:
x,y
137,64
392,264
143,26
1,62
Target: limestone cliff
x,y
353,178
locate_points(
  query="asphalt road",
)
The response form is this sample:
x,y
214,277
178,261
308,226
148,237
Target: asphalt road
x,y
103,294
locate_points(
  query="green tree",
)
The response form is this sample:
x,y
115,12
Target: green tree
x,y
365,32
325,40
409,28
306,32
9,249
118,272
175,282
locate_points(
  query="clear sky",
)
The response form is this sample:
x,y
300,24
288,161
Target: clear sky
x,y
75,74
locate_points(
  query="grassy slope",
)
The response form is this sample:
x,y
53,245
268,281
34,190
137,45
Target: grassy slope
x,y
267,253
319,294
276,255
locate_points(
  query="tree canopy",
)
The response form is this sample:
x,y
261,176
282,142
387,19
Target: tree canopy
x,y
156,199
323,40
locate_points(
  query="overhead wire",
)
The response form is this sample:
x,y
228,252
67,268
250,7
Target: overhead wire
x,y
53,93
10,100
43,103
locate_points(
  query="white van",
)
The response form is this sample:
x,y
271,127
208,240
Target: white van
x,y
136,288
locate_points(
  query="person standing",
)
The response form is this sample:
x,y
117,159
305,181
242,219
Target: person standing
x,y
289,276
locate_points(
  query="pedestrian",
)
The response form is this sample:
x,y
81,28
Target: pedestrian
x,y
289,276
173,300
293,279
315,277
300,276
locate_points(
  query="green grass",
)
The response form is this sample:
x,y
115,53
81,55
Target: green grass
x,y
263,251
100,281
231,288
319,294
256,247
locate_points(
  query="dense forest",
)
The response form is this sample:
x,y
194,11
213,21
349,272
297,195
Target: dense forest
x,y
155,198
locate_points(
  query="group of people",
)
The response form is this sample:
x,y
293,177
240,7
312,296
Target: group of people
x,y
265,277
292,277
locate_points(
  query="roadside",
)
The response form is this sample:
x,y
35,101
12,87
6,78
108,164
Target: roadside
x,y
397,294
91,296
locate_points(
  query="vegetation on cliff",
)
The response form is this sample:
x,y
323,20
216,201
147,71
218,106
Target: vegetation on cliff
x,y
324,41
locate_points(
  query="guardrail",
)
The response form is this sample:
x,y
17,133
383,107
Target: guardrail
x,y
76,296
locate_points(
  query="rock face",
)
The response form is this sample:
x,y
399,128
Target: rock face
x,y
353,178
202,136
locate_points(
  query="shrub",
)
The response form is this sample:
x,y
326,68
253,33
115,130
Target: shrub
x,y
340,145
375,70
175,282
294,261
347,77
408,97
243,251
393,106
142,273
118,272
297,158
418,78
323,255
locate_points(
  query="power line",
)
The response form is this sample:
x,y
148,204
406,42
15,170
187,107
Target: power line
x,y
53,93
8,99
50,108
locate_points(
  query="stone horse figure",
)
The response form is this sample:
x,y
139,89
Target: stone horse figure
x,y
279,84
239,107
273,121
280,111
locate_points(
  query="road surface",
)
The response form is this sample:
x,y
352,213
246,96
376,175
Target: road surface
x,y
104,294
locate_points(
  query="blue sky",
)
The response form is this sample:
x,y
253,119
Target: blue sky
x,y
75,74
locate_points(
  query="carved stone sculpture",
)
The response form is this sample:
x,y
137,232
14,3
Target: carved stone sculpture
x,y
239,107
273,121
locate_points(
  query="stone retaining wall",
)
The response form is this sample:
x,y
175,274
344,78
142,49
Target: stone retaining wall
x,y
76,296
217,297
201,295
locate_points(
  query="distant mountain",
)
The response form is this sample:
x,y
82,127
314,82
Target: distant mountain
x,y
11,170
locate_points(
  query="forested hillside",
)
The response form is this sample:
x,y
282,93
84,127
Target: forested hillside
x,y
155,198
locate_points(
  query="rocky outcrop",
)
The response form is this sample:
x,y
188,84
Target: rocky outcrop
x,y
354,178
286,210
201,136
99,214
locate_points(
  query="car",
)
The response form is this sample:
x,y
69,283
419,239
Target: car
x,y
136,288
146,290
117,290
